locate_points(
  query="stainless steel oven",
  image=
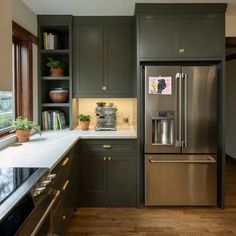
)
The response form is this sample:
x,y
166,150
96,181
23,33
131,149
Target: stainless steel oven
x,y
39,221
27,197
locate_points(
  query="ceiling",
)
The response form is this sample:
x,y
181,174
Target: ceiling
x,y
106,7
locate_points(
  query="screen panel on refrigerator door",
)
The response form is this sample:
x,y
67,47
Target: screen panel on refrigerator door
x,y
161,109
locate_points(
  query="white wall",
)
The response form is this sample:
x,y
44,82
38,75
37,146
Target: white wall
x,y
5,45
25,17
230,29
231,108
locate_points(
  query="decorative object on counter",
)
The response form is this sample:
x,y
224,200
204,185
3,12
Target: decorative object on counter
x,y
125,122
58,95
23,128
84,121
101,104
56,67
106,117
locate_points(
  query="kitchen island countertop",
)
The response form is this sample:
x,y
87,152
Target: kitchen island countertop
x,y
47,150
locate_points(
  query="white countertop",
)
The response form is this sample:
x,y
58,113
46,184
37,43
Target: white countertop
x,y
48,149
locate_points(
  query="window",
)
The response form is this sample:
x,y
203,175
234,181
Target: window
x,y
6,110
19,101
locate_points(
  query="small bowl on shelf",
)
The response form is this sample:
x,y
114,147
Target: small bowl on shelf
x,y
58,95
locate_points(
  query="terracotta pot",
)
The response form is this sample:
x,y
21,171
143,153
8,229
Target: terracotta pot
x,y
84,125
23,135
58,95
57,72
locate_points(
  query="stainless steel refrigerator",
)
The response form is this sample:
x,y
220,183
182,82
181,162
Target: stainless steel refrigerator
x,y
180,135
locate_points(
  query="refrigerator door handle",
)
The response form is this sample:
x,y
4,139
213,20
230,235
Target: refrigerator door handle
x,y
209,160
178,79
185,140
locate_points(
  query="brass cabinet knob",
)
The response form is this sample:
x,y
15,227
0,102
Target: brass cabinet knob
x,y
181,50
109,158
104,88
104,158
63,217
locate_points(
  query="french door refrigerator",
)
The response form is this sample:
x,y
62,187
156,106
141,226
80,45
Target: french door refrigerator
x,y
180,135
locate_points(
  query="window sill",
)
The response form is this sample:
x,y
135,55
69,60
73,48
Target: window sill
x,y
7,140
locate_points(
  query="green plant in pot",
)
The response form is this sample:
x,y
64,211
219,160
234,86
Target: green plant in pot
x,y
84,121
56,67
23,128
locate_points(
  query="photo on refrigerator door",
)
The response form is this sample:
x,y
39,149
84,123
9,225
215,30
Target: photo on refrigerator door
x,y
160,85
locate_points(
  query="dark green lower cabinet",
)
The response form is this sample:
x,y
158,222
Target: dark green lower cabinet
x,y
64,182
62,215
107,176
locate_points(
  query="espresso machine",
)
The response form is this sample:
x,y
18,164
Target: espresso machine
x,y
105,116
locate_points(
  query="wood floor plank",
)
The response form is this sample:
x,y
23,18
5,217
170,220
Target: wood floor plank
x,y
160,221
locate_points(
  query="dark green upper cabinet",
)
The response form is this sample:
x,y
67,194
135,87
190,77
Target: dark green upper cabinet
x,y
118,59
180,31
88,59
103,53
159,36
201,35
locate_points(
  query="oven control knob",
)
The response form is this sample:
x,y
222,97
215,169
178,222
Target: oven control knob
x,y
40,190
46,182
51,176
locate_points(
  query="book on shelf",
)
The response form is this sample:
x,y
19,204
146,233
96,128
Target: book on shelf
x,y
49,41
53,120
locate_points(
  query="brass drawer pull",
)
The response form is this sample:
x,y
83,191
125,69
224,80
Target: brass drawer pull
x,y
65,185
107,146
65,161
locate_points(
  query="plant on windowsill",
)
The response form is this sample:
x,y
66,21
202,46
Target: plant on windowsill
x,y
23,128
56,67
84,121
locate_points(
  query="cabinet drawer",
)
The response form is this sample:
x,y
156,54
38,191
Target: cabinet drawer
x,y
63,164
106,145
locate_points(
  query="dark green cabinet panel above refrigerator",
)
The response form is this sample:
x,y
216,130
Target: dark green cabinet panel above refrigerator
x,y
180,31
103,57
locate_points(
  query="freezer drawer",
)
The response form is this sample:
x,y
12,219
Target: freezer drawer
x,y
180,180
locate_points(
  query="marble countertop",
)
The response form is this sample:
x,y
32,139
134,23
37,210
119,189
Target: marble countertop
x,y
47,150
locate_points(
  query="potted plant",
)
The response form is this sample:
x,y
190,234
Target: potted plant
x,y
56,67
23,128
84,121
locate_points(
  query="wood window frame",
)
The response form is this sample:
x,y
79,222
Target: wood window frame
x,y
230,43
24,70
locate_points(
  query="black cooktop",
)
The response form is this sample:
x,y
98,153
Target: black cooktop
x,y
11,179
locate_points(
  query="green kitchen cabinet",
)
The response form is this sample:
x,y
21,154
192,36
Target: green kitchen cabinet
x,y
88,60
107,173
159,36
103,57
60,26
180,31
201,35
64,182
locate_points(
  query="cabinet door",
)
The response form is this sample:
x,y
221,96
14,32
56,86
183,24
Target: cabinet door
x,y
159,36
88,61
122,179
94,175
118,60
201,35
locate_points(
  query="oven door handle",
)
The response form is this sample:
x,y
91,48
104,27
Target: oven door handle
x,y
41,221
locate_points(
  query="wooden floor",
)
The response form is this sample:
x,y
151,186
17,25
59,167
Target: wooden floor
x,y
160,221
